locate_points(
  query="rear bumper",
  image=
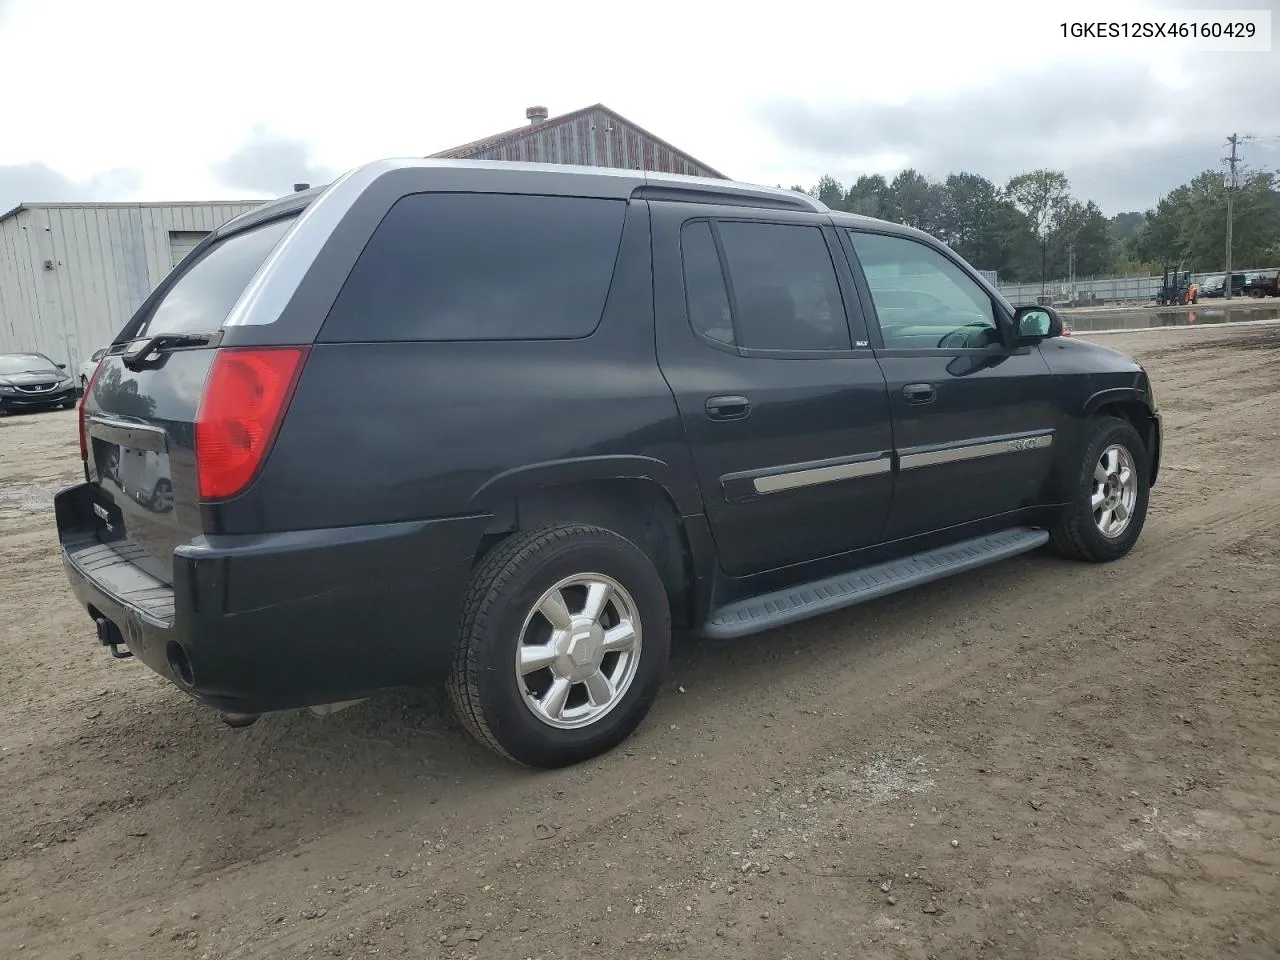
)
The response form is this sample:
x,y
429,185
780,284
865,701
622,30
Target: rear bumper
x,y
276,621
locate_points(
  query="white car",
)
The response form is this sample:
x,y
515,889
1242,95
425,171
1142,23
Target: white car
x,y
87,368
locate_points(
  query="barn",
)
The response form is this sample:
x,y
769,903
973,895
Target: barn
x,y
594,136
71,274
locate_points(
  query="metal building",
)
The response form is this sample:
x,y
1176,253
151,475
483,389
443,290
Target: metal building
x,y
71,274
594,136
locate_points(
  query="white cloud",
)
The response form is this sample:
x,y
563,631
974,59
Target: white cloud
x,y
225,100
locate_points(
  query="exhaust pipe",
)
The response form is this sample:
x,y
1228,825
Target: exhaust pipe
x,y
238,720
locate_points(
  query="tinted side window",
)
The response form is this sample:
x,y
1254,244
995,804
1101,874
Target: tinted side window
x,y
922,298
784,287
456,266
705,292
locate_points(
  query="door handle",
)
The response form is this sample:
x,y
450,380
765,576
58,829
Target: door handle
x,y
919,392
728,408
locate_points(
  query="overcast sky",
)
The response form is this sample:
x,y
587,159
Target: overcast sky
x,y
165,100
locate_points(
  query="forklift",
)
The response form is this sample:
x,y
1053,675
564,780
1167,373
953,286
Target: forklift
x,y
1176,288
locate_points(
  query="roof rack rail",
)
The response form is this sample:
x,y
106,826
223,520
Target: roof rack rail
x,y
699,190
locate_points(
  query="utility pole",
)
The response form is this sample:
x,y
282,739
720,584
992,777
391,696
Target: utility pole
x,y
1232,160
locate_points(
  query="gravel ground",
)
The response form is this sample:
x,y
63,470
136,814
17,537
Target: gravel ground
x,y
1037,759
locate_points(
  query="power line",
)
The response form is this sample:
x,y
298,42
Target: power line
x,y
1232,160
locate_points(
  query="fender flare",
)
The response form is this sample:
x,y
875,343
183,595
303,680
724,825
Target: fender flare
x,y
556,473
1116,395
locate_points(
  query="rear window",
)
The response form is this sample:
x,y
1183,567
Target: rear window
x,y
203,296
445,266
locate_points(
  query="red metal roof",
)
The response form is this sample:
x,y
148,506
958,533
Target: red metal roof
x,y
468,150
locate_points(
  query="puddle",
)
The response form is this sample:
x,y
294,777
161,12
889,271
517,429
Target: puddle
x,y
1147,318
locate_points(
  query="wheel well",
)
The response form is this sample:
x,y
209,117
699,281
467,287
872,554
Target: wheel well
x,y
1132,412
637,509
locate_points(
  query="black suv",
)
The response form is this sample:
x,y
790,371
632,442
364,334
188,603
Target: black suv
x,y
511,425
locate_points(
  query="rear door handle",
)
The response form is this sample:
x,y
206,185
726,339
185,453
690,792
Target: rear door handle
x,y
728,408
919,392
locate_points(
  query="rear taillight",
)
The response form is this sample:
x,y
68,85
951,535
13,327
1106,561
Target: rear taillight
x,y
240,411
84,397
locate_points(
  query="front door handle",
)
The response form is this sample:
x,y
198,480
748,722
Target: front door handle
x,y
728,408
919,392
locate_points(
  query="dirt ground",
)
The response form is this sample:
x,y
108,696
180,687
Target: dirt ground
x,y
1039,759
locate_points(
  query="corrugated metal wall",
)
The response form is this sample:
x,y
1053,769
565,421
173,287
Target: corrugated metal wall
x,y
105,258
595,139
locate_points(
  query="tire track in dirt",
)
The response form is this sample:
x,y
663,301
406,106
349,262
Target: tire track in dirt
x,y
1179,542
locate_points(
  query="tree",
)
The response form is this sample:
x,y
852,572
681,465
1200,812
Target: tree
x,y
831,192
868,196
912,200
1082,235
1042,197
968,216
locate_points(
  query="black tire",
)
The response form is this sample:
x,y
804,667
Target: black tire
x,y
483,687
1076,534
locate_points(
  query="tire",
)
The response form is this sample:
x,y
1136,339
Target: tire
x,y
1077,533
516,716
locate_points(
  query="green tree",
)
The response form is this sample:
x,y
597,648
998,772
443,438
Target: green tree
x,y
1042,196
868,196
913,200
967,218
1083,234
831,192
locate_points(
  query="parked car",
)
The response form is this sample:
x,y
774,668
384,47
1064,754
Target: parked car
x,y
31,381
1262,284
87,368
510,426
1216,287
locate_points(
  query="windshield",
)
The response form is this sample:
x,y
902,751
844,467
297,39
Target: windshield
x,y
205,293
26,363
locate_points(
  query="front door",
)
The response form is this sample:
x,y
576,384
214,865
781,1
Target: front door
x,y
783,405
975,419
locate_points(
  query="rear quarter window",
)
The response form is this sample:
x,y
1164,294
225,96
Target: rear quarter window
x,y
481,267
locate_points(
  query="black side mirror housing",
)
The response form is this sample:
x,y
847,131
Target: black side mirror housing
x,y
62,366
1034,323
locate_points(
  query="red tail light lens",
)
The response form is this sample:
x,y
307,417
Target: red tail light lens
x,y
240,411
84,437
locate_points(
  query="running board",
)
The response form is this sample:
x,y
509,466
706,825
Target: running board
x,y
777,609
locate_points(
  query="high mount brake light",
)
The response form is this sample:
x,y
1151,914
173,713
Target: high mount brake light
x,y
244,400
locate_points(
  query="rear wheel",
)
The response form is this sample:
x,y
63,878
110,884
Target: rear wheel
x,y
1109,496
565,636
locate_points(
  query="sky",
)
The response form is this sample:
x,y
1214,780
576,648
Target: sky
x,y
159,100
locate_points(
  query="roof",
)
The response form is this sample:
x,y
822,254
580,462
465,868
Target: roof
x,y
467,150
92,206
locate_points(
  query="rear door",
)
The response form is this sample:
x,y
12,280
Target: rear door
x,y
781,399
974,419
139,412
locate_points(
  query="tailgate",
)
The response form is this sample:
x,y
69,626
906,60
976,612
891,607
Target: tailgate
x,y
140,410
140,433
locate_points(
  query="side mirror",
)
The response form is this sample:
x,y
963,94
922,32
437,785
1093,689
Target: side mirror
x,y
1035,323
62,366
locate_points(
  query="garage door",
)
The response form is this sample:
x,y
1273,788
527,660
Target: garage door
x,y
181,242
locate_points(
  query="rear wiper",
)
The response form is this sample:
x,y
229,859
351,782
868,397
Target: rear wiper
x,y
142,351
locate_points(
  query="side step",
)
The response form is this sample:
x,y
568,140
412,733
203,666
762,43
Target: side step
x,y
770,610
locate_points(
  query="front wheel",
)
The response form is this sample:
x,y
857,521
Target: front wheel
x,y
565,636
1109,496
